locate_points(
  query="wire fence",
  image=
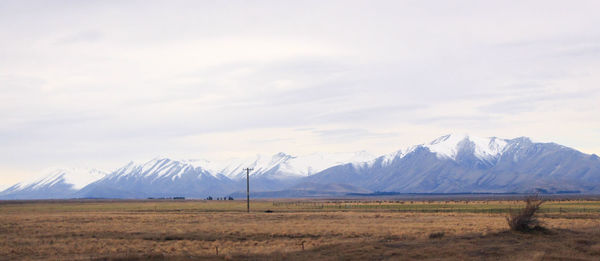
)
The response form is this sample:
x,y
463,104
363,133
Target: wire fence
x,y
435,207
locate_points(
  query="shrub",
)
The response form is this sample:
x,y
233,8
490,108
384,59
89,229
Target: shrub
x,y
525,220
436,235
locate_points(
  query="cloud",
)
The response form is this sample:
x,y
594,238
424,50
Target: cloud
x,y
88,36
365,114
536,102
107,82
344,135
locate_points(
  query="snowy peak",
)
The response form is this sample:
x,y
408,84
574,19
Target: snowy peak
x,y
307,165
161,167
463,163
75,178
163,177
449,164
281,165
157,168
448,146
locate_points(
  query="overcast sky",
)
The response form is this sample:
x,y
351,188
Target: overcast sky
x,y
100,83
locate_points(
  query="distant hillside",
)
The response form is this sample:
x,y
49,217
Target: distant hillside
x,y
455,163
448,164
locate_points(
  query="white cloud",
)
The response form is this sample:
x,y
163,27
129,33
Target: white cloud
x,y
105,82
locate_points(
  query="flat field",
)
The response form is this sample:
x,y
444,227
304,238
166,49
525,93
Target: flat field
x,y
293,230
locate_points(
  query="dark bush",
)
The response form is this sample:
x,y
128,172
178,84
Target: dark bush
x,y
525,220
436,235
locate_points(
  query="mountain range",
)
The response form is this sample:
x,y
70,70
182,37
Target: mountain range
x,y
448,164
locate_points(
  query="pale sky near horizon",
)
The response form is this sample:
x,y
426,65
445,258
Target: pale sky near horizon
x,y
100,83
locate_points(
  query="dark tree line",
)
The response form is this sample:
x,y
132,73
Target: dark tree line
x,y
220,198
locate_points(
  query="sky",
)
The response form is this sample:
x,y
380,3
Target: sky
x,y
101,83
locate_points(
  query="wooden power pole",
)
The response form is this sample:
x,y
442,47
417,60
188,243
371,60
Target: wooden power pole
x,y
248,188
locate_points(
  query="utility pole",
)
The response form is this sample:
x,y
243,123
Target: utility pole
x,y
248,188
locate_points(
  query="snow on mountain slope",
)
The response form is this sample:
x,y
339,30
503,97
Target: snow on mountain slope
x,y
451,163
163,177
157,168
446,147
54,183
312,163
76,177
449,145
261,164
159,177
284,166
461,163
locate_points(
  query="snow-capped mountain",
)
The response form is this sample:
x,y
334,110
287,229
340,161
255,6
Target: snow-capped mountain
x,y
163,177
282,165
483,148
160,177
278,171
54,183
448,164
462,163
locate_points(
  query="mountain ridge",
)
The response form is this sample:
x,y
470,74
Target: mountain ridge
x,y
448,164
55,183
512,169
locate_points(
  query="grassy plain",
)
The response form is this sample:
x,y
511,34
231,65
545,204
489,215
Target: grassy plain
x,y
293,230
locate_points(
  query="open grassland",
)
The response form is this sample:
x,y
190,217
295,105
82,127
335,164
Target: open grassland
x,y
294,230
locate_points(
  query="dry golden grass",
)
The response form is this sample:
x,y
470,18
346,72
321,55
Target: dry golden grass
x,y
190,230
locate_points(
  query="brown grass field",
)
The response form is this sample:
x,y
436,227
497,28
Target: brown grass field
x,y
294,230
